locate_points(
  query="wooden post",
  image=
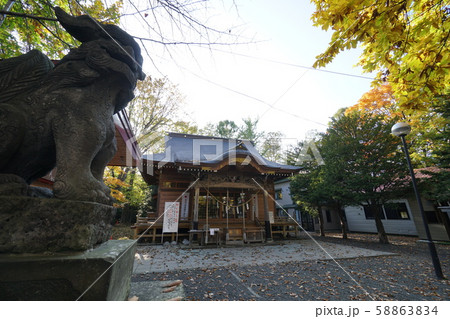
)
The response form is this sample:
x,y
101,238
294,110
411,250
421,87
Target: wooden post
x,y
207,208
206,226
267,225
255,206
226,206
196,199
243,207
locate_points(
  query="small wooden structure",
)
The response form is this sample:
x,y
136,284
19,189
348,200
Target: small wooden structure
x,y
224,186
146,227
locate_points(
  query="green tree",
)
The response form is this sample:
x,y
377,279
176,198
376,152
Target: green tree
x,y
406,42
427,138
130,190
436,185
184,127
208,130
307,188
364,163
271,147
138,193
32,24
249,131
313,186
437,188
429,135
154,111
227,129
115,184
268,144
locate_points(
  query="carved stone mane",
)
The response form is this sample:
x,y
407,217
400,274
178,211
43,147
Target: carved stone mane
x,y
63,116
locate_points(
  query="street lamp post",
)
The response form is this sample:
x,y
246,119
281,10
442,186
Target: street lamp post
x,y
402,129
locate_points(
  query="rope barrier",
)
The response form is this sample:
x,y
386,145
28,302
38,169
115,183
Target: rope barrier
x,y
226,204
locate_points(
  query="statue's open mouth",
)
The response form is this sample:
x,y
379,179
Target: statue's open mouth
x,y
125,54
119,44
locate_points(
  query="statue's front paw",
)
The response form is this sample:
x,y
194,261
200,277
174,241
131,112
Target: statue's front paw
x,y
90,191
62,191
100,196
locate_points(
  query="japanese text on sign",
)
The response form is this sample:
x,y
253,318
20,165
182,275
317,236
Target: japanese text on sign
x,y
171,213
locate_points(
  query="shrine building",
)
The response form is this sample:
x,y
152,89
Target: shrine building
x,y
221,190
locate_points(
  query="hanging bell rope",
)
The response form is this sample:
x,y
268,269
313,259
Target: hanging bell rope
x,y
227,204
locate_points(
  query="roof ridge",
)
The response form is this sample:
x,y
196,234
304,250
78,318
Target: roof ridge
x,y
176,134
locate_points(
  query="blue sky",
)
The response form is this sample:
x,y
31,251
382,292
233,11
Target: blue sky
x,y
233,82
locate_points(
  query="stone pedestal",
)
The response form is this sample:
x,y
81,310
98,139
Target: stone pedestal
x,y
66,276
33,225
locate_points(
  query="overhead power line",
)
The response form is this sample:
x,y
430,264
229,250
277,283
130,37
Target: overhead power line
x,y
252,97
295,65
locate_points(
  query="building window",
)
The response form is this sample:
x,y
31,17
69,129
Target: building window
x,y
370,214
166,185
298,215
388,211
213,207
175,185
396,211
280,213
278,194
328,215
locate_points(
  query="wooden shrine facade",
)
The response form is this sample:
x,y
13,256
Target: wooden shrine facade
x,y
224,187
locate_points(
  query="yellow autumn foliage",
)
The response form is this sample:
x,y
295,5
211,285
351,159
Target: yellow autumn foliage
x,y
405,42
114,183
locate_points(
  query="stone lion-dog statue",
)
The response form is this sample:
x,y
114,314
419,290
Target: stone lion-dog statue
x,y
62,116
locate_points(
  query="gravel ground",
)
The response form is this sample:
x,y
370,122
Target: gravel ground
x,y
406,276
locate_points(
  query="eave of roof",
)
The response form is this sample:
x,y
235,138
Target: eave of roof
x,y
128,153
180,153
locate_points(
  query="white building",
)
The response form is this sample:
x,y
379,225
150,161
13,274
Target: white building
x,y
396,218
283,199
400,217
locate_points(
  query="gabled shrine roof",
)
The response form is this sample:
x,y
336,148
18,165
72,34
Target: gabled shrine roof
x,y
198,150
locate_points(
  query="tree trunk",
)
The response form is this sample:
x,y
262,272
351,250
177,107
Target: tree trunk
x,y
132,177
377,211
445,220
321,227
123,174
342,221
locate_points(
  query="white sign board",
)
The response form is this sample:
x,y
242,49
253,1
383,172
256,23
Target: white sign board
x,y
171,215
255,206
185,207
271,218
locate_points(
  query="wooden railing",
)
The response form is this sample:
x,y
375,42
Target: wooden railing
x,y
253,231
146,227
